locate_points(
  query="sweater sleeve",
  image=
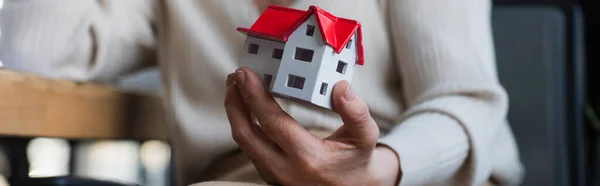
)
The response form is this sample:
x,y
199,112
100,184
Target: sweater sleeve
x,y
455,104
77,39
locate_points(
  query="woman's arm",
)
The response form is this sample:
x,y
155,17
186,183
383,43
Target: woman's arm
x,y
455,103
76,39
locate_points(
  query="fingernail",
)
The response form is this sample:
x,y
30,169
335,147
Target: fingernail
x,y
349,94
229,79
240,77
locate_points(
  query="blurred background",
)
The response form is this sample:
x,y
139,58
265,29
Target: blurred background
x,y
546,60
108,153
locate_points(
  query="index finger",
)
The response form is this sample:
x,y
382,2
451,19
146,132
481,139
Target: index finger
x,y
277,124
243,129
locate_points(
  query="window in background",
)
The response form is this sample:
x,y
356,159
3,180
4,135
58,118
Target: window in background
x,y
3,181
108,160
155,157
48,157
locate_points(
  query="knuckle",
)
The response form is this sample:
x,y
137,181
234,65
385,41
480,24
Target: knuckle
x,y
371,140
240,136
273,122
374,135
253,92
361,115
250,96
310,167
270,117
277,174
310,164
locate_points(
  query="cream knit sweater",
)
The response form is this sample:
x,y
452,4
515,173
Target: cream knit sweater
x,y
429,79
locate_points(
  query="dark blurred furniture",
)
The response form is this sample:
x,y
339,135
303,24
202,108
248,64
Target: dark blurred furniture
x,y
539,51
592,13
65,181
536,1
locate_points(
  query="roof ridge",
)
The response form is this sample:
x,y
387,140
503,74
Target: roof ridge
x,y
324,12
331,16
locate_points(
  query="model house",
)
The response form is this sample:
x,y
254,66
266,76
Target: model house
x,y
303,54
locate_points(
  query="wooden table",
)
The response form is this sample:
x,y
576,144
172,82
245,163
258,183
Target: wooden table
x,y
32,106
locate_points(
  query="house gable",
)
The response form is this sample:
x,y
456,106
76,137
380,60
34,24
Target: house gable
x,y
306,37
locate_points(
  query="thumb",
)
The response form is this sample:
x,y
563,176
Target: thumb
x,y
358,123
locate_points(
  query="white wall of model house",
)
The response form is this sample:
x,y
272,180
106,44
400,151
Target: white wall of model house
x,y
299,74
262,61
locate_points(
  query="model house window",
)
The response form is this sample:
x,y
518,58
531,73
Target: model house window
x,y
323,89
304,54
349,45
253,48
295,82
310,30
341,67
267,78
277,53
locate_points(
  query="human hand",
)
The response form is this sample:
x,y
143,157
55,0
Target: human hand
x,y
284,152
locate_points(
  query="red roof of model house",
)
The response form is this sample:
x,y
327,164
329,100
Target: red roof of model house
x,y
278,23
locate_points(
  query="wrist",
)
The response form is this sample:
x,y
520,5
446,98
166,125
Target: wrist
x,y
384,166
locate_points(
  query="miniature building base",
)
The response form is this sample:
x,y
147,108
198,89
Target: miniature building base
x,y
303,102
